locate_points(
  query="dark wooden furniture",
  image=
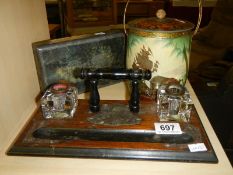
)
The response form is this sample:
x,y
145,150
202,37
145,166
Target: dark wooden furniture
x,y
53,30
136,9
89,13
189,13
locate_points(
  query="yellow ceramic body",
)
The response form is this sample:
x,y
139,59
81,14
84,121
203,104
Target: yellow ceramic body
x,y
166,54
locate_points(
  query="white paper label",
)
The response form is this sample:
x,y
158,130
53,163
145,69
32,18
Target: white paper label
x,y
167,128
197,147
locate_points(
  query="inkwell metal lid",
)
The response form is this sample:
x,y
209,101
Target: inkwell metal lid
x,y
59,88
175,90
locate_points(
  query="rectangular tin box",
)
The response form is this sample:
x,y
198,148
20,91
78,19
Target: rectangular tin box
x,y
56,59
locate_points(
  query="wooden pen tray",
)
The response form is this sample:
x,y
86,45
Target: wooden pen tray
x,y
81,137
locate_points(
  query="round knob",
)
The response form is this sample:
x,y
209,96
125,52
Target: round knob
x,y
161,14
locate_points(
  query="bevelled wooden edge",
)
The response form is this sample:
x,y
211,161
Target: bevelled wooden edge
x,y
197,157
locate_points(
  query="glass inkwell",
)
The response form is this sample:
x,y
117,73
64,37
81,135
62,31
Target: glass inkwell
x,y
173,103
59,101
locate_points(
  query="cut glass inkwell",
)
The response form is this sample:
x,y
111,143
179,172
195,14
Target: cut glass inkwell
x,y
173,103
59,101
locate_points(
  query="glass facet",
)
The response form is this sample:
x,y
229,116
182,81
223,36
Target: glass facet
x,y
59,101
173,103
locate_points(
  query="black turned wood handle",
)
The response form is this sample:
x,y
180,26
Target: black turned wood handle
x,y
134,98
94,100
114,74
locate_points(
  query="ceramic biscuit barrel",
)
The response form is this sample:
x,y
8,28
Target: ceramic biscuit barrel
x,y
161,45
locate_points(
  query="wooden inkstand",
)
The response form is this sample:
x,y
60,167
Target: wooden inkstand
x,y
115,129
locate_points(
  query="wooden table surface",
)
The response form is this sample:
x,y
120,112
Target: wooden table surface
x,y
47,165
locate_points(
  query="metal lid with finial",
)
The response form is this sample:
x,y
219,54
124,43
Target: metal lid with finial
x,y
160,24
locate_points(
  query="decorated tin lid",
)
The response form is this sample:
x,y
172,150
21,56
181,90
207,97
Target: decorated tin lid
x,y
161,24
